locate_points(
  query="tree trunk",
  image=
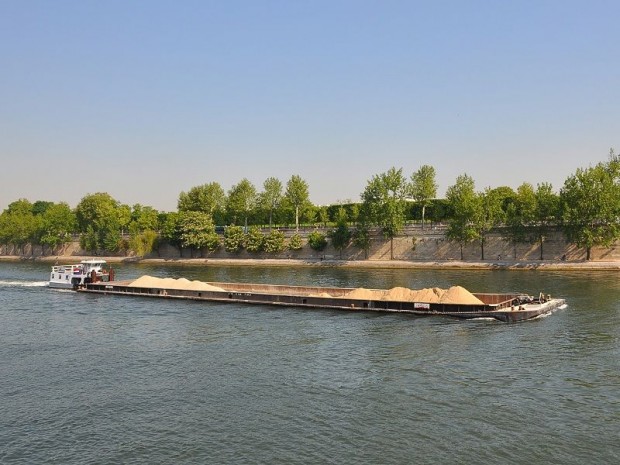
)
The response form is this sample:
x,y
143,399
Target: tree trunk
x,y
296,219
461,244
482,249
588,253
514,245
391,248
423,211
541,247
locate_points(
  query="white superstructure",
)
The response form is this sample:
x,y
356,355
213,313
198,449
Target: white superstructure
x,y
74,276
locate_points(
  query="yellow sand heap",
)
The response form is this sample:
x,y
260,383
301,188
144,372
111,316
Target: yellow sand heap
x,y
453,295
171,283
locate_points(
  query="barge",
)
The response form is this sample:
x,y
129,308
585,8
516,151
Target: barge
x,y
506,307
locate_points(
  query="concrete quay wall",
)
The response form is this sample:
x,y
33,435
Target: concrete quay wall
x,y
424,246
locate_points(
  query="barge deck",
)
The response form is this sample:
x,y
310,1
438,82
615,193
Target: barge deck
x,y
509,307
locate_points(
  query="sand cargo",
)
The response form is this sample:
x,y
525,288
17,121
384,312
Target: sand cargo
x,y
455,301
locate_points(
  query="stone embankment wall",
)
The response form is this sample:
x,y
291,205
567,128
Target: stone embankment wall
x,y
421,245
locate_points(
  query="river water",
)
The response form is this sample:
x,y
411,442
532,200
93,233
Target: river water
x,y
111,380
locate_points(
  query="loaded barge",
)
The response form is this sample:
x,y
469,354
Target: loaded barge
x,y
509,307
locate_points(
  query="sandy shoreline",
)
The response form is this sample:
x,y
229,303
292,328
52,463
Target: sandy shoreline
x,y
370,264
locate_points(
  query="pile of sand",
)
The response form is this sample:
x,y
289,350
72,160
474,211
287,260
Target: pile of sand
x,y
453,295
364,294
459,295
171,283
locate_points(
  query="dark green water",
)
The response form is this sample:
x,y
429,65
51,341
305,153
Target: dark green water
x,y
105,380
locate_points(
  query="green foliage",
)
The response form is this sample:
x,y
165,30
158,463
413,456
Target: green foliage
x,y
361,238
317,240
297,196
89,240
520,215
207,198
101,215
58,222
271,197
254,240
323,215
341,236
143,243
424,187
384,203
295,242
169,228
274,242
40,207
233,239
197,231
468,209
144,218
310,214
242,200
591,206
19,225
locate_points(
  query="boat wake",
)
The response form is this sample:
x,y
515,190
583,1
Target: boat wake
x,y
551,312
14,283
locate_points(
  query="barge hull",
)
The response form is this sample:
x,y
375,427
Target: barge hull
x,y
497,306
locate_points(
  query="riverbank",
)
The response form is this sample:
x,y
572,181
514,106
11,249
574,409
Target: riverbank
x,y
548,265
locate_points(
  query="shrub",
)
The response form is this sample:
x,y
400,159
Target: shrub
x,y
317,240
233,238
254,240
274,242
295,242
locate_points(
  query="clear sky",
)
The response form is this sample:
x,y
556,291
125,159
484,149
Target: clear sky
x,y
145,99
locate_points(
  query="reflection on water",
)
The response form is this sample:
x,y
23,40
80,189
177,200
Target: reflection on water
x,y
100,379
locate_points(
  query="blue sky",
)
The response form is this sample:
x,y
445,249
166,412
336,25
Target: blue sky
x,y
145,99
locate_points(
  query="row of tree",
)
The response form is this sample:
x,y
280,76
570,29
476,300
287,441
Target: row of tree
x,y
587,209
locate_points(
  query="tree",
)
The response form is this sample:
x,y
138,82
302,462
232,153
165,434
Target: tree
x,y
102,215
144,218
58,222
546,213
40,207
591,206
341,236
492,213
143,242
297,195
310,214
384,202
520,215
467,206
241,201
361,238
208,198
323,215
424,187
197,231
169,228
20,225
271,197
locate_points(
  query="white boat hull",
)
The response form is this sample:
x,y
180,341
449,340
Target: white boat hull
x,y
58,285
77,275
